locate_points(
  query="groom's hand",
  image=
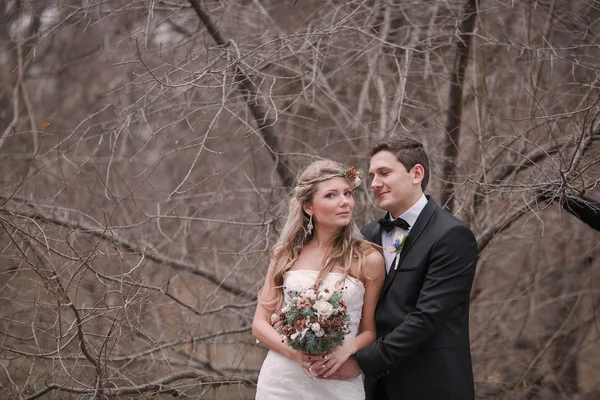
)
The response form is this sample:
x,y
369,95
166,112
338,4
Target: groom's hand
x,y
275,322
348,370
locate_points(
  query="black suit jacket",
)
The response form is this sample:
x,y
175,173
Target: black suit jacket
x,y
422,349
584,208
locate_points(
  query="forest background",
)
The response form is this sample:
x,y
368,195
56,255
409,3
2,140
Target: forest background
x,y
147,148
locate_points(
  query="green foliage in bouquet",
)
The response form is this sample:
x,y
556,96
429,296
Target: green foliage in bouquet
x,y
314,321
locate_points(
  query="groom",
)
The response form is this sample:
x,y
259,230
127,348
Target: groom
x,y
422,348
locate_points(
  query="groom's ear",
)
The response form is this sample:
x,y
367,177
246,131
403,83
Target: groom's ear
x,y
418,173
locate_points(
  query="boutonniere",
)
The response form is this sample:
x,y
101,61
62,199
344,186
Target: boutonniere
x,y
396,247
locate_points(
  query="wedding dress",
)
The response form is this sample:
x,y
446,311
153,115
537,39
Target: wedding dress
x,y
283,379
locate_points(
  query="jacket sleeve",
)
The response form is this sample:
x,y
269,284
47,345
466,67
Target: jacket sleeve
x,y
447,283
584,208
370,231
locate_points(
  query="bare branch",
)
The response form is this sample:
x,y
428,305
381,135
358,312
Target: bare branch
x,y
255,101
107,234
160,386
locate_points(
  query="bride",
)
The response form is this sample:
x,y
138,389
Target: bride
x,y
319,245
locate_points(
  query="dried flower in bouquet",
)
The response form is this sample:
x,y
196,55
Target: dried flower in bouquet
x,y
314,321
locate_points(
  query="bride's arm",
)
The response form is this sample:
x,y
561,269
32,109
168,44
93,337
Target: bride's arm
x,y
374,273
261,325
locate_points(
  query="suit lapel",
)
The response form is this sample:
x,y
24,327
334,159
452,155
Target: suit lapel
x,y
375,234
413,236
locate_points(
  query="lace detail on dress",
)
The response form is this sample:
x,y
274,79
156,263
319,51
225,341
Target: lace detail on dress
x,y
282,378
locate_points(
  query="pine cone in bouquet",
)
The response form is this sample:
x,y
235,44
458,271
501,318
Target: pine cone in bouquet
x,y
314,321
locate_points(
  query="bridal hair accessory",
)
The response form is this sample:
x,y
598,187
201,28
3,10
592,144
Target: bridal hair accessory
x,y
351,174
310,226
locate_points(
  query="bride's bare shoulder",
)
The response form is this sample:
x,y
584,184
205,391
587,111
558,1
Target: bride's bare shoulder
x,y
374,265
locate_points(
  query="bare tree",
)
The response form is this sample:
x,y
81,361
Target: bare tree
x,y
148,147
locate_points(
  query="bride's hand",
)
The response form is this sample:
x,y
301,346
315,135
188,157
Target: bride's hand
x,y
332,361
309,361
303,359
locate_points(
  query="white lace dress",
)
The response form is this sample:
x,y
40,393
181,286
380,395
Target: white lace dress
x,y
281,378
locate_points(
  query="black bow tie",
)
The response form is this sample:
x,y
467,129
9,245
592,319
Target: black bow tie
x,y
388,225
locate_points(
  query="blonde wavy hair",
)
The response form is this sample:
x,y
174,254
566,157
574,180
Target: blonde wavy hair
x,y
348,245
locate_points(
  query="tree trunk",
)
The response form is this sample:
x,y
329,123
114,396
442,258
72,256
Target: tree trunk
x,y
455,102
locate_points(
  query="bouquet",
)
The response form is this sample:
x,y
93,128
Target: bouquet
x,y
314,321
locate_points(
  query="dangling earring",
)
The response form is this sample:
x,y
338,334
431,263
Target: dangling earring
x,y
310,225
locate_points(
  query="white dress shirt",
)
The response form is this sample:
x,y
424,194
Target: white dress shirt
x,y
409,216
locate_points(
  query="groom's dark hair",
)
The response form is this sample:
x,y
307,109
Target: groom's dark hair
x,y
408,151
